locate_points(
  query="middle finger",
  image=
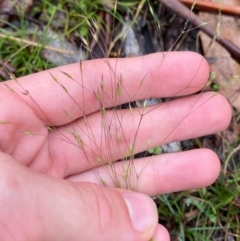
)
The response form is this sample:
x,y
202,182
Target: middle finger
x,y
122,133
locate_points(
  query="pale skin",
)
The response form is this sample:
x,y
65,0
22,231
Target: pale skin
x,y
50,190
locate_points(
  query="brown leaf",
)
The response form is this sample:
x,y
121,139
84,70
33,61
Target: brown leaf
x,y
227,70
7,6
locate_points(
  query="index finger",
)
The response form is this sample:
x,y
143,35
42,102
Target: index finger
x,y
69,92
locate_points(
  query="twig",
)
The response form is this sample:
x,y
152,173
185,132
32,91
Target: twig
x,y
35,44
183,12
12,12
214,7
229,157
7,65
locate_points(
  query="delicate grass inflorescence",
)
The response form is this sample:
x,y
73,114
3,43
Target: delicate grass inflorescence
x,y
98,119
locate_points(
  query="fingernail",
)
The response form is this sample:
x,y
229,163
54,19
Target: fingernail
x,y
142,211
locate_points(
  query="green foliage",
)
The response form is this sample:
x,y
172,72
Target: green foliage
x,y
205,213
66,17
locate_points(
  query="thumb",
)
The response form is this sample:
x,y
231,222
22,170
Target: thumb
x,y
116,214
37,207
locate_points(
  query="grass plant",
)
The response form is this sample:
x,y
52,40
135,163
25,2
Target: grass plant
x,y
205,214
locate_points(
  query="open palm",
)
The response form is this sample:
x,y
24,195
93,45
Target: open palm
x,y
51,124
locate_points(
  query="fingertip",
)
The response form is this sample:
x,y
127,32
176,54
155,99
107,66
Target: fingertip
x,y
186,72
161,234
225,113
200,59
211,167
191,170
142,211
205,167
195,67
217,112
199,67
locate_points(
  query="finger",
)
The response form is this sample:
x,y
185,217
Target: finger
x,y
83,90
161,174
18,125
161,234
49,205
176,120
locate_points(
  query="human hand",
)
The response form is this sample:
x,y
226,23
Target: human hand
x,y
50,183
